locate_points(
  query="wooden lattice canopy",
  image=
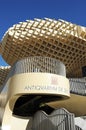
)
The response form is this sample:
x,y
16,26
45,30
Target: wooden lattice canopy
x,y
3,74
47,37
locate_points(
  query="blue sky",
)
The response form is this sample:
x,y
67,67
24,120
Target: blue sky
x,y
14,11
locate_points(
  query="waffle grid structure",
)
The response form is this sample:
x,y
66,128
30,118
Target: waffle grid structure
x,y
57,39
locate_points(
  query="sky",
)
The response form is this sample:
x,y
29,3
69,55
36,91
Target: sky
x,y
14,11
